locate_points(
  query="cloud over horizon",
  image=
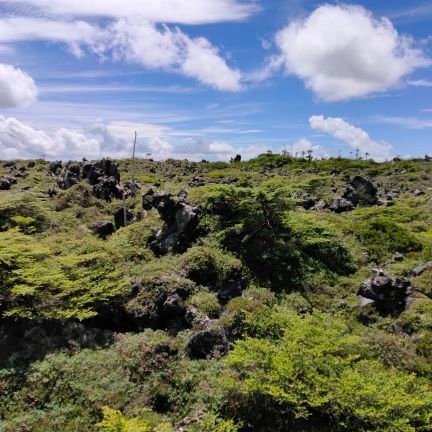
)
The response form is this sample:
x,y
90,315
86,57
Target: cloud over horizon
x,y
353,136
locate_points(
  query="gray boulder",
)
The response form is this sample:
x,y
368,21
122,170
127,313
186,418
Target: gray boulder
x,y
341,205
389,295
419,270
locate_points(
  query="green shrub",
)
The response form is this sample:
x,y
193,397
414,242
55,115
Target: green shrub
x,y
314,372
209,266
206,303
114,421
40,282
383,237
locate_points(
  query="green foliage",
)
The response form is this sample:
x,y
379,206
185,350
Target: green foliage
x,y
206,303
315,368
114,421
23,211
40,282
209,266
382,237
247,222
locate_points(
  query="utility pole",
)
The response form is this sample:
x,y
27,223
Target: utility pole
x,y
133,186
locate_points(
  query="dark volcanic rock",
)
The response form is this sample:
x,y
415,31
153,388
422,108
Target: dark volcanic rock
x,y
181,220
197,182
70,176
341,205
7,182
208,344
94,172
107,189
55,168
231,289
419,270
418,192
307,203
390,295
103,228
119,217
361,191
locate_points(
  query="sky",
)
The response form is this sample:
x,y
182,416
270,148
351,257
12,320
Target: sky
x,y
209,79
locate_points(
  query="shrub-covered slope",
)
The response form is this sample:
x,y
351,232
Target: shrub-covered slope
x,y
276,294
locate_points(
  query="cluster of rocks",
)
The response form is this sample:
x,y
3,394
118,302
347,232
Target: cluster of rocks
x,y
200,181
6,182
358,192
389,295
180,221
103,175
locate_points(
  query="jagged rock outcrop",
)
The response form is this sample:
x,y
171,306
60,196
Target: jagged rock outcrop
x,y
390,295
7,182
55,168
107,189
103,228
103,175
180,222
208,344
361,192
69,177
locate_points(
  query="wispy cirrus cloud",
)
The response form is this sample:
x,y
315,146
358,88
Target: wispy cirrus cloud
x,y
406,122
420,83
130,32
168,11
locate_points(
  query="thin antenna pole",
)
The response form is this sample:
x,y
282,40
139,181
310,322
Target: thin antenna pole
x,y
133,187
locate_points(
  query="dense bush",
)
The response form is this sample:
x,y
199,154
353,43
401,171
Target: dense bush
x,y
382,237
314,371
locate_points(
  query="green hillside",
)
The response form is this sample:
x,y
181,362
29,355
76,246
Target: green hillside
x,y
271,295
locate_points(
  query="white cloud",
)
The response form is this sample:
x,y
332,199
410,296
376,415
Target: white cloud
x,y
169,49
355,137
20,140
17,89
420,83
132,40
302,146
201,148
168,11
407,122
342,52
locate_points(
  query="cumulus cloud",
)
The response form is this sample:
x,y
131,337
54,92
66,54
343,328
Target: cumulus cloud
x,y
353,136
17,89
20,140
160,47
343,52
302,146
168,11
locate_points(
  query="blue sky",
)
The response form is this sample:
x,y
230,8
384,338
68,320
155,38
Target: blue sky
x,y
212,78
